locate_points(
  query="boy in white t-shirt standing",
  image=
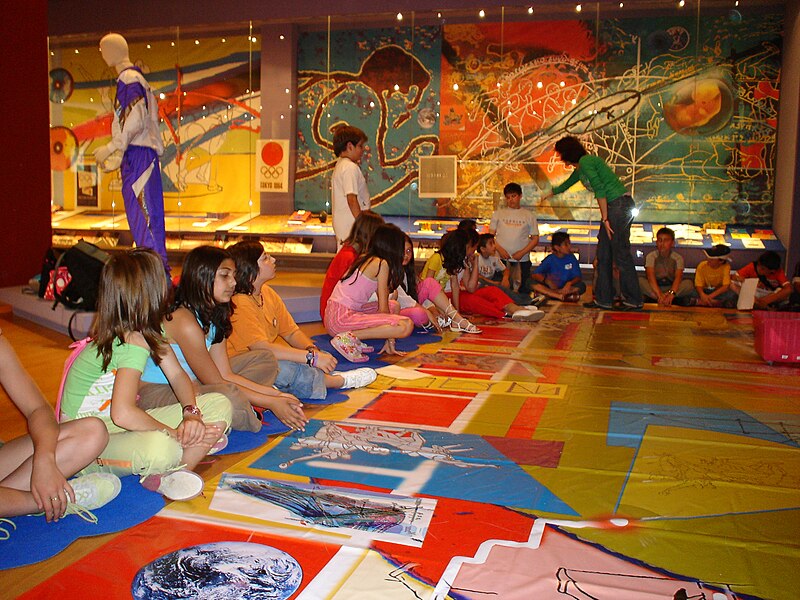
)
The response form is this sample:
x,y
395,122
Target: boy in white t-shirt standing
x,y
349,193
516,233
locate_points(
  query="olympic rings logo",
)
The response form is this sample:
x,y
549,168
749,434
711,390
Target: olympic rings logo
x,y
271,172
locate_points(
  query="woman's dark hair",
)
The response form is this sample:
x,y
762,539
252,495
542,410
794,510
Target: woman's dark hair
x,y
388,243
246,254
453,248
363,227
472,236
411,270
132,296
570,149
196,291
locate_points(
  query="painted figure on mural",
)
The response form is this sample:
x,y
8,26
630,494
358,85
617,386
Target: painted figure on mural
x,y
135,137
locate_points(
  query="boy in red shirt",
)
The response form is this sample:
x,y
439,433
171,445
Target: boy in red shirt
x,y
773,287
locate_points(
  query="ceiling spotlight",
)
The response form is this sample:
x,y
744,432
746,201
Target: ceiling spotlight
x,y
681,3
455,86
530,10
539,85
148,46
481,13
578,8
396,87
399,16
621,5
281,37
197,42
224,40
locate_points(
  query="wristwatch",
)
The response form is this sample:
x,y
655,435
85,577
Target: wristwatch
x,y
310,356
671,292
191,409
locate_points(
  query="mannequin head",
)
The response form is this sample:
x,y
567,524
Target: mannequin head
x,y
114,49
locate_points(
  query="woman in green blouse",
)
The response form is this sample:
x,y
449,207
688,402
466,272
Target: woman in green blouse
x,y
616,211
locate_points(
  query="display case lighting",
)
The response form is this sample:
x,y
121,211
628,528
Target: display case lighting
x,y
481,13
578,8
399,16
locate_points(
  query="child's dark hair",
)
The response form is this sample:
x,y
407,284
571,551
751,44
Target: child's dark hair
x,y
770,260
410,270
558,238
472,237
666,231
345,134
483,239
196,291
132,296
570,149
363,227
512,188
388,243
467,224
246,254
453,249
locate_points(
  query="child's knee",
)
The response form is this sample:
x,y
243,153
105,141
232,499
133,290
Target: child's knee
x,y
407,327
90,432
216,408
158,453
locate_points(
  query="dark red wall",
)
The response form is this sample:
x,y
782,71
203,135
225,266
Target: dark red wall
x,y
25,183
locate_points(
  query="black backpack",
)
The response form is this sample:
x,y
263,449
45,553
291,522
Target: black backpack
x,y
85,262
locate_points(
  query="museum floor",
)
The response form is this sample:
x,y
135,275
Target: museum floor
x,y
591,455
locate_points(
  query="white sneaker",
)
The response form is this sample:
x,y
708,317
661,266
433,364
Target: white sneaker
x,y
528,314
357,377
178,485
95,490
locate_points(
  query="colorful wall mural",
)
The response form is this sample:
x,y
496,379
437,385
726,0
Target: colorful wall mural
x,y
684,108
686,114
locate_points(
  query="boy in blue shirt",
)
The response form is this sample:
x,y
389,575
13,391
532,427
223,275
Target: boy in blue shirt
x,y
559,275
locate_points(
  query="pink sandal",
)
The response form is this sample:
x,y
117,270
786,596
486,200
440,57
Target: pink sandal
x,y
349,346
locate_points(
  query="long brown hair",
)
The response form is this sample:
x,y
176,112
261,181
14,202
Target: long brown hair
x,y
132,296
363,229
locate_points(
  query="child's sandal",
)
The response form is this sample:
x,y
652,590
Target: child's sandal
x,y
348,346
464,326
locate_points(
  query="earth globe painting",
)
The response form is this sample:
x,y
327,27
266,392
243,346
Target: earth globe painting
x,y
220,571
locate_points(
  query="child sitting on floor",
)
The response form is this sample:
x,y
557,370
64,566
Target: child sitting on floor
x,y
34,467
773,288
350,315
663,282
559,275
493,272
712,279
197,327
353,246
424,302
159,445
455,267
261,321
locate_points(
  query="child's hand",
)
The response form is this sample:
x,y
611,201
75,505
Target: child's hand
x,y
433,319
191,431
51,491
289,410
325,362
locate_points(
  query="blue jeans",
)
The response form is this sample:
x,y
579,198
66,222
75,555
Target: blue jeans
x,y
617,251
301,380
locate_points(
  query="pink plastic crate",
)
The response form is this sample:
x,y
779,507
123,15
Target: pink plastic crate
x,y
777,336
